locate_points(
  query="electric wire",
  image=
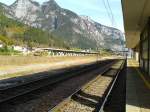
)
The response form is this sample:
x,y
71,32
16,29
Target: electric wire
x,y
112,15
107,10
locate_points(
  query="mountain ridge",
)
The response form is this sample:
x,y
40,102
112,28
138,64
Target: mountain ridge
x,y
74,29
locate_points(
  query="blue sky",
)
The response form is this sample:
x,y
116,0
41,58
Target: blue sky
x,y
92,8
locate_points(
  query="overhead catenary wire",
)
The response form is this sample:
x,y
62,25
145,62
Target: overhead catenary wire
x,y
110,15
109,12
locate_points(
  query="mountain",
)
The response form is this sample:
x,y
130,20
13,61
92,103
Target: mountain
x,y
13,32
77,31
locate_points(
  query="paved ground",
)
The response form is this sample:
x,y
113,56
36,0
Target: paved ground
x,y
137,89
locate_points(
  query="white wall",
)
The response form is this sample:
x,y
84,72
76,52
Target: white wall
x,y
136,56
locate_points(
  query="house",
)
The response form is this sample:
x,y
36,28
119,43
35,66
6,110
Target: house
x,y
1,44
21,49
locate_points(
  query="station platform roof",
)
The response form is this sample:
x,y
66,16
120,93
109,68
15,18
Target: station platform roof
x,y
135,14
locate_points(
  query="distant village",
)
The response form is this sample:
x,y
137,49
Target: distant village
x,y
48,51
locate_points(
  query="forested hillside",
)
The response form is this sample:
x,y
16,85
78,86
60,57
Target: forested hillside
x,y
13,32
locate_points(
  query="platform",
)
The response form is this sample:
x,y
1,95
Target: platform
x,y
137,89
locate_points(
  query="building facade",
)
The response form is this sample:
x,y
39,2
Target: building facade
x,y
145,49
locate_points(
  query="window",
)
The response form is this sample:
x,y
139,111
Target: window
x,y
144,59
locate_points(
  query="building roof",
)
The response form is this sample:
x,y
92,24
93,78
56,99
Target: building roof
x,y
135,14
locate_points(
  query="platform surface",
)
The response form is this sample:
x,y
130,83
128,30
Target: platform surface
x,y
137,89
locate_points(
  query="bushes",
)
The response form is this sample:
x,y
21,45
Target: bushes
x,y
41,53
35,35
6,40
8,51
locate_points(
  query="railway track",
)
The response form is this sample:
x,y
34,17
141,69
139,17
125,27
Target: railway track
x,y
9,93
93,95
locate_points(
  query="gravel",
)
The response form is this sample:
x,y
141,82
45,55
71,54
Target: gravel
x,y
90,96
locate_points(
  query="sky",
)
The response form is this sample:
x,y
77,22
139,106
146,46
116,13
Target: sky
x,y
95,9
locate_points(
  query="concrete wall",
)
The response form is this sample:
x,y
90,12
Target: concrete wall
x,y
137,56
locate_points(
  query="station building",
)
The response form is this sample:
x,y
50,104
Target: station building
x,y
136,14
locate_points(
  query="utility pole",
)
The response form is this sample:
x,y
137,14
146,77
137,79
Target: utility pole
x,y
97,49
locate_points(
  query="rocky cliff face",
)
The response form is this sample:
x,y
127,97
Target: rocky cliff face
x,y
77,30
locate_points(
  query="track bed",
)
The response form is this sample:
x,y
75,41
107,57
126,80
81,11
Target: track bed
x,y
93,95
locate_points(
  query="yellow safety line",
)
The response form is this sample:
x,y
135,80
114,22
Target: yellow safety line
x,y
143,78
